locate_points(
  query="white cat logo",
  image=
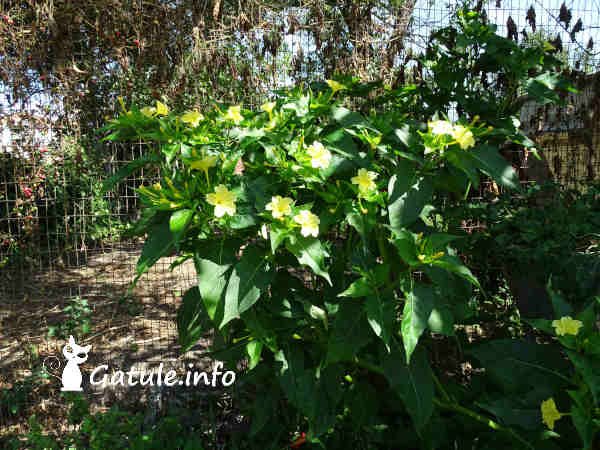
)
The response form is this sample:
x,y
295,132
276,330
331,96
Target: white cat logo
x,y
71,376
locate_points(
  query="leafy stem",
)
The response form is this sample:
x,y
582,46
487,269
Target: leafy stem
x,y
448,404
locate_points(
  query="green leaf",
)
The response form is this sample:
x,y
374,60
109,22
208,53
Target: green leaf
x,y
412,382
581,414
213,261
358,288
249,279
465,162
417,309
315,394
242,220
347,118
454,264
585,426
192,320
381,315
341,143
277,235
299,106
408,137
179,221
455,292
408,195
512,413
310,252
542,88
254,350
508,360
559,304
350,332
128,169
265,407
493,164
589,369
363,402
405,243
438,241
441,320
170,150
159,243
362,223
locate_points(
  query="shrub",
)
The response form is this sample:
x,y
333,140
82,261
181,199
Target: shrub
x,y
318,234
547,232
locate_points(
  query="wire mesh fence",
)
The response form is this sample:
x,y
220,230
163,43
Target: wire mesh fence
x,y
66,262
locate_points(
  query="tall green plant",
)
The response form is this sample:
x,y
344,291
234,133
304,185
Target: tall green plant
x,y
318,238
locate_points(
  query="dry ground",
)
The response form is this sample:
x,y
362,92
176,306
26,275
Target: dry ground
x,y
126,331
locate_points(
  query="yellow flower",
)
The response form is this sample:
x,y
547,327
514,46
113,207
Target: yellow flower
x,y
205,163
148,111
320,156
280,206
440,127
567,325
161,109
335,85
309,223
234,114
549,413
192,118
268,107
365,181
223,200
122,103
463,136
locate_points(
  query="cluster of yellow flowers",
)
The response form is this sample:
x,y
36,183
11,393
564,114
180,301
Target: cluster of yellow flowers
x,y
281,207
159,110
194,117
224,200
461,134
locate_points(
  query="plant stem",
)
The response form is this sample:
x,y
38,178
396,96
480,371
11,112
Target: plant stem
x,y
440,387
381,246
482,419
369,366
451,405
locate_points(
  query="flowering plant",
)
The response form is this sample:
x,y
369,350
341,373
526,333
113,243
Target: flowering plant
x,y
322,256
